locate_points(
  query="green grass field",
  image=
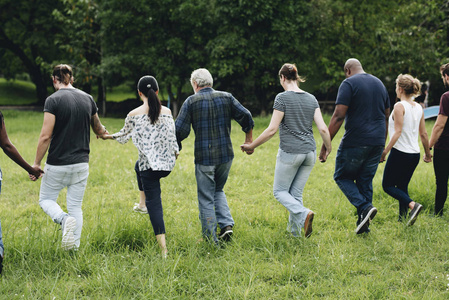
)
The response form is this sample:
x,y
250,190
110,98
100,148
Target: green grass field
x,y
119,256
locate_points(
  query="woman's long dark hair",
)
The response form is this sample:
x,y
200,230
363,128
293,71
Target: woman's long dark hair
x,y
148,86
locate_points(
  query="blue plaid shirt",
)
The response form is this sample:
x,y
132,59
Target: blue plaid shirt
x,y
210,113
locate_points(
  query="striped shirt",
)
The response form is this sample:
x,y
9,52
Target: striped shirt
x,y
295,130
210,112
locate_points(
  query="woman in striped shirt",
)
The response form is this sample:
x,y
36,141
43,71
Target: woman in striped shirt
x,y
294,112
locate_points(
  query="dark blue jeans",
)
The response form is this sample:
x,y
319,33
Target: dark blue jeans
x,y
397,175
355,168
441,167
149,183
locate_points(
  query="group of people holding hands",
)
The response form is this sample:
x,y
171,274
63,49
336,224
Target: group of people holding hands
x,y
362,102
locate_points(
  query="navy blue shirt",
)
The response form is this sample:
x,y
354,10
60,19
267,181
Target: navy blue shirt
x,y
210,112
365,121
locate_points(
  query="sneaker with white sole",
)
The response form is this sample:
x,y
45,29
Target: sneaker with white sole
x,y
68,237
138,209
365,217
225,233
414,214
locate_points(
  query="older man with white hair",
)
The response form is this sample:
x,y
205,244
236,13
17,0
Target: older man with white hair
x,y
210,112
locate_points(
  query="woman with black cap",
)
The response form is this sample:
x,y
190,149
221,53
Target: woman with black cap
x,y
152,130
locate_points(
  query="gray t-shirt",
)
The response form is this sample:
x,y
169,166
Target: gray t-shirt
x,y
73,110
295,130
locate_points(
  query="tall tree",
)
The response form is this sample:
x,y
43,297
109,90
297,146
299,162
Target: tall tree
x,y
81,41
166,39
26,30
254,38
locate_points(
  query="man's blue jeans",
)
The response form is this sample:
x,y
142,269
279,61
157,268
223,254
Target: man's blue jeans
x,y
355,168
212,202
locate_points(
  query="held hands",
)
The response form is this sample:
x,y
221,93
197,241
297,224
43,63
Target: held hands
x,y
105,135
37,173
247,148
324,153
427,159
382,157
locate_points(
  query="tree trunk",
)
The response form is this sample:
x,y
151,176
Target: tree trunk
x,y
101,99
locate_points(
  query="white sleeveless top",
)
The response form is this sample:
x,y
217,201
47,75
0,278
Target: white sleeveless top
x,y
408,141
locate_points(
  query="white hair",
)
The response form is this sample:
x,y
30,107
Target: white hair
x,y
202,77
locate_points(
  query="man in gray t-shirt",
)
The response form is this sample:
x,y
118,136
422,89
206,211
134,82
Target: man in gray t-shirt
x,y
68,115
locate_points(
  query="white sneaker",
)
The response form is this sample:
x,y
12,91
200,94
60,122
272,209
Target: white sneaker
x,y
68,228
139,209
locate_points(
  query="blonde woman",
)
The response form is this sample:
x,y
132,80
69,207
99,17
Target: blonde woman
x,y
405,124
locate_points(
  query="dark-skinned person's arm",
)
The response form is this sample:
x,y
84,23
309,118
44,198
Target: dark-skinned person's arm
x,y
11,151
334,125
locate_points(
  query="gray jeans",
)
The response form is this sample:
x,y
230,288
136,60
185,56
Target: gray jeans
x,y
55,178
290,176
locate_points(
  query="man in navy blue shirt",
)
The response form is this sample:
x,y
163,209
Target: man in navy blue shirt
x,y
364,105
210,112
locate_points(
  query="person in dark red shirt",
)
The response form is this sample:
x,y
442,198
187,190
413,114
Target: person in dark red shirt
x,y
439,139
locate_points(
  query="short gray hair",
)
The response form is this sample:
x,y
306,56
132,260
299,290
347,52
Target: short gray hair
x,y
202,77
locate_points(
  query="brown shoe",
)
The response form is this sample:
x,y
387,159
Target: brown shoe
x,y
308,224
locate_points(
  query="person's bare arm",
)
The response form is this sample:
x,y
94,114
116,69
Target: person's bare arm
x,y
268,133
324,132
44,137
398,115
97,127
334,125
437,129
424,140
11,151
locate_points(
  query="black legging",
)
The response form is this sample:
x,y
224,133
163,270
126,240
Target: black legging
x,y
397,175
149,183
441,167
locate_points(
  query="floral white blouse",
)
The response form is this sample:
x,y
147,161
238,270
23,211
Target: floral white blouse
x,y
156,142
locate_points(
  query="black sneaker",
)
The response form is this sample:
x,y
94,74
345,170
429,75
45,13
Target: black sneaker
x,y
414,214
367,230
225,233
1,264
365,217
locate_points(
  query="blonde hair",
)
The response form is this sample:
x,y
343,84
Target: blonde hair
x,y
410,85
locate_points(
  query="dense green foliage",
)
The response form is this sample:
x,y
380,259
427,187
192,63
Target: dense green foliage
x,y
119,257
243,43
